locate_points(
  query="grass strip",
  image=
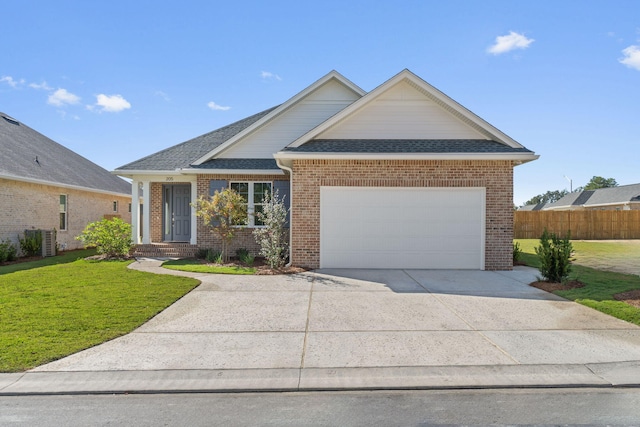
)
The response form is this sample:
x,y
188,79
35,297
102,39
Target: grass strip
x,y
195,266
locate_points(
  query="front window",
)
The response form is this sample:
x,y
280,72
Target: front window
x,y
63,212
253,194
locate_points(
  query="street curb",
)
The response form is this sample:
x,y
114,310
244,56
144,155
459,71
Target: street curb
x,y
623,374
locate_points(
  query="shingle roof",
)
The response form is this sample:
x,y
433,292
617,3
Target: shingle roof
x,y
243,164
621,194
182,155
536,207
28,154
571,199
405,146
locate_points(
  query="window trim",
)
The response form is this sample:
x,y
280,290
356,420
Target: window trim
x,y
63,210
250,201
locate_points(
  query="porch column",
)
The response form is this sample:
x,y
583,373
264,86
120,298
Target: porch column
x,y
135,212
194,218
146,212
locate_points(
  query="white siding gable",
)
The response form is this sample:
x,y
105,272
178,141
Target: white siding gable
x,y
303,116
401,112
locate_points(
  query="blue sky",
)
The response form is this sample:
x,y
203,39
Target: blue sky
x,y
117,80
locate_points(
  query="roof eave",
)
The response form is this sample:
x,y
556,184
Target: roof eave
x,y
518,157
234,171
62,185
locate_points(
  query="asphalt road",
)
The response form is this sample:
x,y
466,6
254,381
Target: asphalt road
x,y
374,408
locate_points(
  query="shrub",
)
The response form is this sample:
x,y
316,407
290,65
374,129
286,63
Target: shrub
x,y
554,254
111,237
31,244
214,256
517,252
272,238
8,251
243,255
202,253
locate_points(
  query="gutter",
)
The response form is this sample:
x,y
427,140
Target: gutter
x,y
287,168
62,185
521,157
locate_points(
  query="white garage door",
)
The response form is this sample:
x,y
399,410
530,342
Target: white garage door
x,y
373,227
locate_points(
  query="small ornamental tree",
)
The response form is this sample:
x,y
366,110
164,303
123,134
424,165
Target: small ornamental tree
x,y
554,254
111,237
223,212
273,237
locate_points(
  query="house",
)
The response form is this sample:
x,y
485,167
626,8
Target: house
x,y
536,207
623,197
44,185
398,177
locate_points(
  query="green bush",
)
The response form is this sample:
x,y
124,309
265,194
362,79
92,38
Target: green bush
x,y
272,238
8,251
31,244
517,252
202,253
554,254
111,237
243,255
214,257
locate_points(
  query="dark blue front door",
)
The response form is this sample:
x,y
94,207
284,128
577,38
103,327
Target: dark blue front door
x,y
177,213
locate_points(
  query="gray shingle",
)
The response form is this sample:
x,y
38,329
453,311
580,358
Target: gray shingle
x,y
621,194
21,146
242,164
405,146
182,155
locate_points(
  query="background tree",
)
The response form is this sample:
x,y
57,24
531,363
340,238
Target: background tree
x,y
600,182
548,197
223,212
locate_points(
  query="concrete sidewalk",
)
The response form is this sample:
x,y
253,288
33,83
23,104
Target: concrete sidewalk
x,y
353,329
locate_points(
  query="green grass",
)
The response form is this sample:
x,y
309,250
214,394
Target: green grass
x,y
195,266
58,306
600,286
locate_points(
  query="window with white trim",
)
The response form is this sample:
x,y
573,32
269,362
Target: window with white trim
x,y
63,212
253,194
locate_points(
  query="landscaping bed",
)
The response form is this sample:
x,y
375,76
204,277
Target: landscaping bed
x,y
258,267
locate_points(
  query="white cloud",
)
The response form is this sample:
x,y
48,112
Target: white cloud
x,y
111,103
631,57
61,97
217,107
267,75
43,86
10,81
509,42
162,95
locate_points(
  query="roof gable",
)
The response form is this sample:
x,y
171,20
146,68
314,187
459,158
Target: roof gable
x,y
305,110
27,155
406,107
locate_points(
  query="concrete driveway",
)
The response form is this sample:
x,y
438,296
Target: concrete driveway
x,y
370,328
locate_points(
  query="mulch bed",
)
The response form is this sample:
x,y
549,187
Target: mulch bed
x,y
552,287
631,297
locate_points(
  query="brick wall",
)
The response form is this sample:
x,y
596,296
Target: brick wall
x,y
27,206
310,175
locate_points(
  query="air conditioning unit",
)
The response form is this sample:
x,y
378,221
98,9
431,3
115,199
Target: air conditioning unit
x,y
48,243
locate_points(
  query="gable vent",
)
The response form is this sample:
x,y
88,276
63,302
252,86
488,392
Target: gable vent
x,y
12,121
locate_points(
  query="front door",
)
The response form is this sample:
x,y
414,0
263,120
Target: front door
x,y
177,213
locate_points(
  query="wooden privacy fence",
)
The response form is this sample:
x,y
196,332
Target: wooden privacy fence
x,y
584,225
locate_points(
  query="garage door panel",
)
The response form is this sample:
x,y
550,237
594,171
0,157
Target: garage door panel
x,y
402,227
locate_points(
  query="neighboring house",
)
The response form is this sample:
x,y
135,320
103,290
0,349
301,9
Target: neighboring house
x,y
536,207
623,197
44,185
399,177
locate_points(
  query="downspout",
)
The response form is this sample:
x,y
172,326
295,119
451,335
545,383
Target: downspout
x,y
288,169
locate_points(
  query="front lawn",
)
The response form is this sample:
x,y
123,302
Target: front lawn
x,y
600,286
57,306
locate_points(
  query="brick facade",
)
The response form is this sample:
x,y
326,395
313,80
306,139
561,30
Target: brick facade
x,y
205,237
27,206
310,175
